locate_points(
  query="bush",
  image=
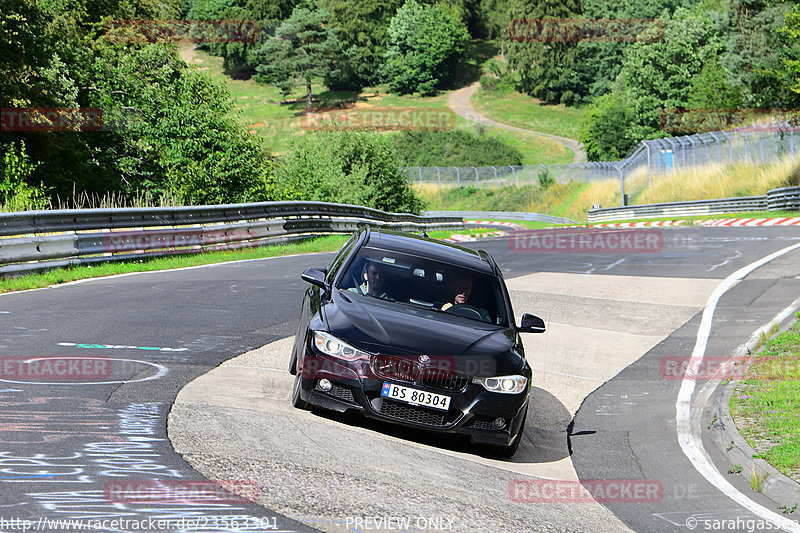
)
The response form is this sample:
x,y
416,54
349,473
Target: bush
x,y
424,43
346,167
459,148
15,193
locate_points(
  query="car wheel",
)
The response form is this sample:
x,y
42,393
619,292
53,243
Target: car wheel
x,y
510,450
297,401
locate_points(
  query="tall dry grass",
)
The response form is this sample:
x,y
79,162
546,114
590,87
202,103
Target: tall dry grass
x,y
721,181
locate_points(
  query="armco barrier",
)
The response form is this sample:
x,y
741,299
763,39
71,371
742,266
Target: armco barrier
x,y
785,199
38,240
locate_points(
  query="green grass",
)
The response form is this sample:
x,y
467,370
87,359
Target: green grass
x,y
766,403
279,123
523,111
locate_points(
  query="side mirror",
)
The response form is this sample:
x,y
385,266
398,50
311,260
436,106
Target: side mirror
x,y
315,276
531,324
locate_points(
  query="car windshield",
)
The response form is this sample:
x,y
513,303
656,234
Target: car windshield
x,y
411,280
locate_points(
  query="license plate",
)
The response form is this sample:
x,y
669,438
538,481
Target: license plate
x,y
415,396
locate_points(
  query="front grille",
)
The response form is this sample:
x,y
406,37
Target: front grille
x,y
392,367
343,393
444,379
411,413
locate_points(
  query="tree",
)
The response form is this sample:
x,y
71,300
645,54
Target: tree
x,y
349,167
756,48
545,69
424,43
364,25
304,46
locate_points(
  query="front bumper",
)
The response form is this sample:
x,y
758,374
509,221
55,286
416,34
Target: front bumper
x,y
355,387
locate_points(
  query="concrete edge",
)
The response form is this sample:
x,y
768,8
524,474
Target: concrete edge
x,y
779,488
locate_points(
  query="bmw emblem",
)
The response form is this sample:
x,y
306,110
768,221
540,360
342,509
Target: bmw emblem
x,y
424,359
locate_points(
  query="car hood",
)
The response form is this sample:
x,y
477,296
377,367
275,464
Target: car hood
x,y
381,327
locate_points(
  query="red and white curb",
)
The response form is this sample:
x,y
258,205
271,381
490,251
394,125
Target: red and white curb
x,y
510,225
726,222
470,238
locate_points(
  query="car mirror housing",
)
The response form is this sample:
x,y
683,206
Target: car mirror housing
x,y
315,276
531,324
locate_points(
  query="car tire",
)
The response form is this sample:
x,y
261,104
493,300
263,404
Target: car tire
x,y
297,401
511,449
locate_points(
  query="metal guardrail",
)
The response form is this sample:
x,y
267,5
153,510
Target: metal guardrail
x,y
502,215
40,240
785,199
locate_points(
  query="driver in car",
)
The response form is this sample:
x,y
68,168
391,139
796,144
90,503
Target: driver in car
x,y
460,289
374,277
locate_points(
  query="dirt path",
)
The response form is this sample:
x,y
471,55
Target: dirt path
x,y
460,102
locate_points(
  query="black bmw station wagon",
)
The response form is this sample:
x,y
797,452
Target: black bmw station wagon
x,y
415,331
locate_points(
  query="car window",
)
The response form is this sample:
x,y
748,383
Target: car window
x,y
410,280
336,264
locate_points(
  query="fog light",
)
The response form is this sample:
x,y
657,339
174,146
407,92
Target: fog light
x,y
324,385
499,423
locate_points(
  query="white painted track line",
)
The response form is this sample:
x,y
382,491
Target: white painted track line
x,y
688,435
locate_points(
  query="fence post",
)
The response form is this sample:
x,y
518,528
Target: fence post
x,y
496,179
530,173
458,176
477,180
439,176
513,175
761,142
649,168
621,186
559,173
420,175
744,138
791,136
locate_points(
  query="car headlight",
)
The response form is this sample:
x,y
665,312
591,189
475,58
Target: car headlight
x,y
330,345
503,384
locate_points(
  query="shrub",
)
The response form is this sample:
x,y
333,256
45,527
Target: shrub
x,y
15,193
346,167
454,148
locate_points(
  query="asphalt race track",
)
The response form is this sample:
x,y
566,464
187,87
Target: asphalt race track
x,y
70,443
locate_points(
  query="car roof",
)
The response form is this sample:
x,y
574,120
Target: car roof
x,y
428,248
